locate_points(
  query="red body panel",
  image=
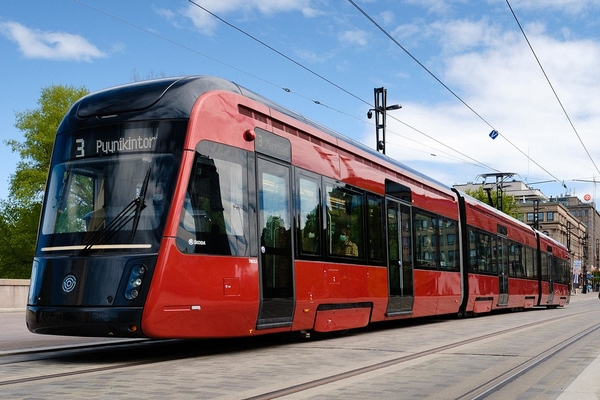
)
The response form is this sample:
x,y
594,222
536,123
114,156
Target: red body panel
x,y
335,320
436,292
200,296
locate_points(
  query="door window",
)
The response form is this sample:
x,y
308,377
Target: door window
x,y
214,217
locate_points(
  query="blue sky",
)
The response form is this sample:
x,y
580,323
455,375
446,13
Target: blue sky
x,y
475,48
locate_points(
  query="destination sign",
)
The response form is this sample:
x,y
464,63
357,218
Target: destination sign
x,y
98,143
272,145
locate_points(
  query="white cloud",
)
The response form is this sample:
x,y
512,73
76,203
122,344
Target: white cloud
x,y
355,37
440,7
206,23
567,6
460,35
50,45
387,17
310,56
498,76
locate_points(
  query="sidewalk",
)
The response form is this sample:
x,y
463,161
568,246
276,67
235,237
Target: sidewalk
x,y
584,296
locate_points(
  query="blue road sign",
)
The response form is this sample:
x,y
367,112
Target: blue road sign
x,y
494,134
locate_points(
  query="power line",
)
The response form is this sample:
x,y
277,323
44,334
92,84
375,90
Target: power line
x,y
386,33
551,86
173,42
330,82
273,84
440,142
210,58
418,62
278,52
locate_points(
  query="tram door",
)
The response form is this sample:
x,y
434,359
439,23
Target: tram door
x,y
400,266
502,255
275,254
551,261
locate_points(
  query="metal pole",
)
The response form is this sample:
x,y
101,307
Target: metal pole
x,y
380,95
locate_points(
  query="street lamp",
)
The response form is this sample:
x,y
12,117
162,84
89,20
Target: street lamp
x,y
381,109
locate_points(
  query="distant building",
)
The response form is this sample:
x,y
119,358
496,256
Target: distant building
x,y
558,222
589,216
519,189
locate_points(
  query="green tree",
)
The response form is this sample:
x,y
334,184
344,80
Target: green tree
x,y
510,204
19,215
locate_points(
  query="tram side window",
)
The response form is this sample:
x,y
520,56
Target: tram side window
x,y
375,229
515,260
498,254
473,242
480,252
449,253
426,240
310,225
566,272
530,271
557,274
545,266
344,210
214,218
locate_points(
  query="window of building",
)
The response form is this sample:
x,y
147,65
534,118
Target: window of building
x,y
550,216
529,217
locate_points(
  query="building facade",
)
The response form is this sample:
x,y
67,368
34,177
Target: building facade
x,y
589,216
558,222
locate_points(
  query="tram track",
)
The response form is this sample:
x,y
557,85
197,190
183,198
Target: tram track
x,y
7,357
477,393
485,389
85,359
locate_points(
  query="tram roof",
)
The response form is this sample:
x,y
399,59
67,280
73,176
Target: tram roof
x,y
176,97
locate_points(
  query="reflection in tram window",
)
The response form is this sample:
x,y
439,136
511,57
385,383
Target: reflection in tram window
x,y
375,227
214,216
309,216
344,222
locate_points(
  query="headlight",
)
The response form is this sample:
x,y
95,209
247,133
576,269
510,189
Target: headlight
x,y
136,278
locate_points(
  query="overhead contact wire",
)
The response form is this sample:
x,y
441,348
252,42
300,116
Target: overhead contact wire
x,y
552,87
386,33
273,84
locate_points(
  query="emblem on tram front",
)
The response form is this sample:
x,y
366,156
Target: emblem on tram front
x,y
69,283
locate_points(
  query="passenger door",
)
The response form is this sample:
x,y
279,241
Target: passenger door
x,y
502,271
551,271
399,260
275,254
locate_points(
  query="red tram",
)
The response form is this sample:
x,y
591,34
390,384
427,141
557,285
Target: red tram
x,y
192,208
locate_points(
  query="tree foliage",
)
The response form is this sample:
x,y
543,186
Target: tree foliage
x,y
39,127
510,204
19,215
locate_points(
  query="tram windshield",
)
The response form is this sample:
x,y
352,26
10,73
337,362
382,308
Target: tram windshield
x,y
109,189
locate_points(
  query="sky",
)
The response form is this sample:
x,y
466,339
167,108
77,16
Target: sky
x,y
460,69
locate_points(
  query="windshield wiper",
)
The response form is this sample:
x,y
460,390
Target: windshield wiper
x,y
131,212
140,204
